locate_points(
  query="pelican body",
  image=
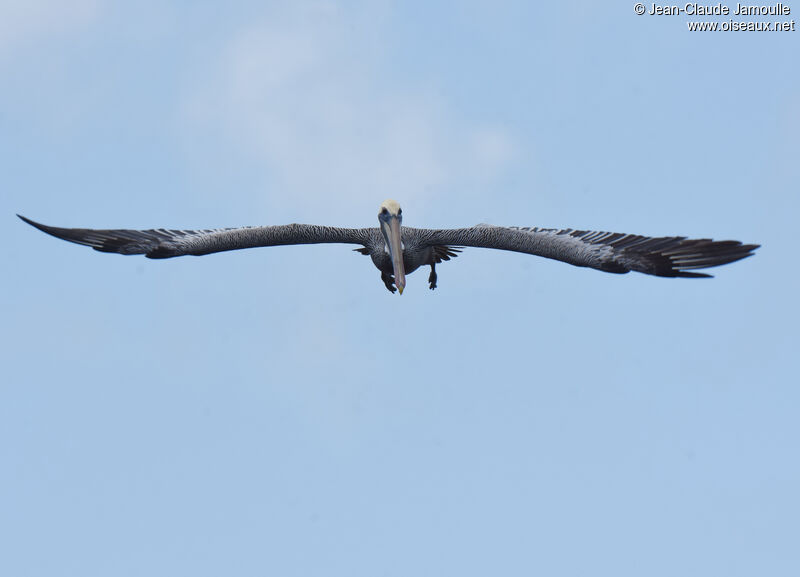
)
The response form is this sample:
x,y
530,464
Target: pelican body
x,y
397,251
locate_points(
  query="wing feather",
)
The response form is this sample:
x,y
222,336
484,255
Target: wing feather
x,y
166,243
671,256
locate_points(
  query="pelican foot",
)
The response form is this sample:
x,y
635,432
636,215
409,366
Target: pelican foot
x,y
432,278
388,280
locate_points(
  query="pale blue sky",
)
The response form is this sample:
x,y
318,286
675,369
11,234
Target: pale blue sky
x,y
277,411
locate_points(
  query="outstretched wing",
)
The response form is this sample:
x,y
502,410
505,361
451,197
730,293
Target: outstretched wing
x,y
166,243
671,256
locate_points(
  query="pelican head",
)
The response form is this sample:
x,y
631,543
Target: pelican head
x,y
390,218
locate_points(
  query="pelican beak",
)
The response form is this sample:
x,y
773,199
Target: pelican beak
x,y
395,243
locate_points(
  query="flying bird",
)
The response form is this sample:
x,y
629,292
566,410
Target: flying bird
x,y
398,250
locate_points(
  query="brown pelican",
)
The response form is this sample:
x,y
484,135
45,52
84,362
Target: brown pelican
x,y
397,250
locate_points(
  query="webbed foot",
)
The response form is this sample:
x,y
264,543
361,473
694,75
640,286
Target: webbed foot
x,y
388,280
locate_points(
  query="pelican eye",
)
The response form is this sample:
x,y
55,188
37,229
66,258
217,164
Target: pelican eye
x,y
384,211
399,212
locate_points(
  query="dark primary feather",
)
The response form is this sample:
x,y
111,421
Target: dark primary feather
x,y
673,256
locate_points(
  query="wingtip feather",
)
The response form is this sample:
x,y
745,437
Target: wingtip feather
x,y
34,224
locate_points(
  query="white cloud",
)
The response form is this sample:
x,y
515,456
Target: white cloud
x,y
307,92
25,23
492,149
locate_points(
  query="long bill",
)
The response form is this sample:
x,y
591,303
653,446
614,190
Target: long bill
x,y
395,243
